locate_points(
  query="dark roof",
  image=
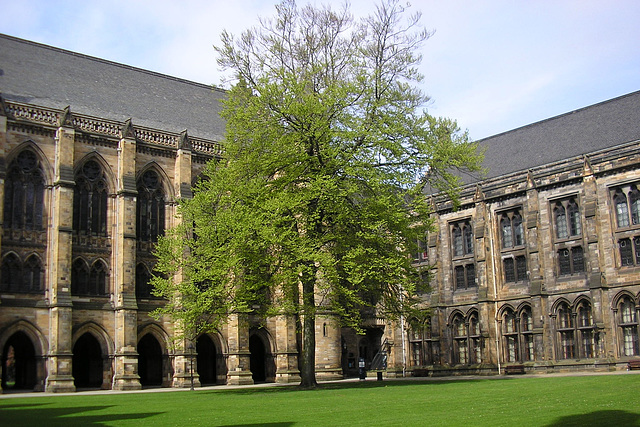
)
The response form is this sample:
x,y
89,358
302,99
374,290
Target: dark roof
x,y
50,77
596,127
45,76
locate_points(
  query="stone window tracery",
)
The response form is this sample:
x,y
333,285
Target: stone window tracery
x,y
464,271
89,281
514,260
626,205
467,340
24,193
150,209
90,200
19,277
628,326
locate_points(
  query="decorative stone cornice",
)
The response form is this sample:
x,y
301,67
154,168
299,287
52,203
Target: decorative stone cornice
x,y
30,113
97,127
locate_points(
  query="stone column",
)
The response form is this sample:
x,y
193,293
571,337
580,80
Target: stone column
x,y
3,171
185,367
239,361
124,266
59,377
287,369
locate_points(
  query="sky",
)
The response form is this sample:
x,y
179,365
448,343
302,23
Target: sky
x,y
492,65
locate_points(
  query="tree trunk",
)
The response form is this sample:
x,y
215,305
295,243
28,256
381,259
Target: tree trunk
x,y
308,371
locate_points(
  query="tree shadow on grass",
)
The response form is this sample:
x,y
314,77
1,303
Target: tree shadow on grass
x,y
32,415
342,386
280,424
598,418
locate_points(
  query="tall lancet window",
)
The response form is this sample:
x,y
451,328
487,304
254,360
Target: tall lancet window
x,y
150,207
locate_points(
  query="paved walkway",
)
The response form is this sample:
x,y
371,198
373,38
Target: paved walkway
x,y
11,395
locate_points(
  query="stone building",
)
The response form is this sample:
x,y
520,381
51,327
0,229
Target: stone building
x,y
537,267
93,157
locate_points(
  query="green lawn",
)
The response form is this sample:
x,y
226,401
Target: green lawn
x,y
553,400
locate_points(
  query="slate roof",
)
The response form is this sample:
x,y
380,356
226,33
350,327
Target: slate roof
x,y
596,127
42,75
46,76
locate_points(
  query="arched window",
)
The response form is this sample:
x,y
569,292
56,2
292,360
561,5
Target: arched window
x,y
457,241
518,230
32,280
622,209
562,229
90,200
474,338
461,353
512,230
564,326
586,330
467,235
467,344
11,274
421,343
143,287
24,193
628,323
526,330
79,278
573,211
634,201
150,207
464,264
517,330
507,232
98,279
510,332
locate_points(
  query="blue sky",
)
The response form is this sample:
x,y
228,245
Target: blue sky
x,y
492,65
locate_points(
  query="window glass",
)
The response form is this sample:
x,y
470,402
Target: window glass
x,y
562,231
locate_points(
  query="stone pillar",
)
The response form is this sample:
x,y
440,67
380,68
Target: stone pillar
x,y
287,369
59,377
239,361
3,171
328,348
185,368
396,336
182,182
124,266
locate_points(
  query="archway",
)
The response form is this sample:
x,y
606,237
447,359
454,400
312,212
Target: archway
x,y
258,359
19,370
149,361
87,362
206,360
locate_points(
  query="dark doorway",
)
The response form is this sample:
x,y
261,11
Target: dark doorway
x,y
19,363
149,361
258,359
87,362
206,360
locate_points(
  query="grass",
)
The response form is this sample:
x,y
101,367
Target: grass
x,y
555,401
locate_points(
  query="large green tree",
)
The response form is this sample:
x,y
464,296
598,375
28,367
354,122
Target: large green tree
x,y
319,200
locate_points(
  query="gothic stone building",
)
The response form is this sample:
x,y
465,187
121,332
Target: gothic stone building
x,y
536,268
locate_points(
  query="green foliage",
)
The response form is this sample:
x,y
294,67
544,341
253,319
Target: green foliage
x,y
320,198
